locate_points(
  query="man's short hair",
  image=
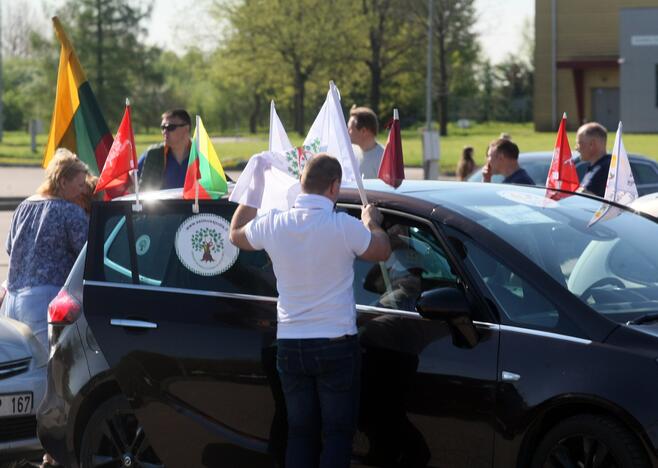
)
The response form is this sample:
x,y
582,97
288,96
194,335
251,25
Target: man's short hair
x,y
179,114
320,172
365,118
505,146
594,130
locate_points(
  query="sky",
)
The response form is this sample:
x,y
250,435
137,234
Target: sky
x,y
175,23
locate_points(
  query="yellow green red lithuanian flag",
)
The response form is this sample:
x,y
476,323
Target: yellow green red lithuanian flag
x,y
204,168
77,123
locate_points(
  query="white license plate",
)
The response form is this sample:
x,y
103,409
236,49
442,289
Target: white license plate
x,y
16,404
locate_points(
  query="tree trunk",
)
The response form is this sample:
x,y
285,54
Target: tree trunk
x,y
255,114
99,52
375,79
300,84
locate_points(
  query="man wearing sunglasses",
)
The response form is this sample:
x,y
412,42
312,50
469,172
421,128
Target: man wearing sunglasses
x,y
163,166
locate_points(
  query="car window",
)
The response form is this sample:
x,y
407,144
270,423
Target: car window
x,y
519,303
537,170
644,173
417,263
204,260
606,264
116,256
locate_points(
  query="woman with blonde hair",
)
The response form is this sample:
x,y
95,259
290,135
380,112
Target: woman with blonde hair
x,y
46,235
466,164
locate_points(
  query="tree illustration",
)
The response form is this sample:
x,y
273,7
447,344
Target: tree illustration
x,y
208,241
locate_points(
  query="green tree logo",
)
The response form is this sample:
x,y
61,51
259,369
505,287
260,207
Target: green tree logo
x,y
208,241
298,157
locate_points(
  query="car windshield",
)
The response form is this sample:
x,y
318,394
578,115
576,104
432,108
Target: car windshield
x,y
610,265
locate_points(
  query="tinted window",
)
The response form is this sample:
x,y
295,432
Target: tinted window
x,y
520,303
158,262
116,256
417,263
644,173
561,238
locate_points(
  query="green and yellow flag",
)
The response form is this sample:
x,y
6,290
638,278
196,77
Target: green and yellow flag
x,y
204,168
77,123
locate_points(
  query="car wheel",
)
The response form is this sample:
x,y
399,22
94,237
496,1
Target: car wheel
x,y
589,441
114,438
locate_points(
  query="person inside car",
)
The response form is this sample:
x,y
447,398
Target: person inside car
x,y
313,248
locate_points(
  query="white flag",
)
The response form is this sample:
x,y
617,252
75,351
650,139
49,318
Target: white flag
x,y
329,134
620,186
269,180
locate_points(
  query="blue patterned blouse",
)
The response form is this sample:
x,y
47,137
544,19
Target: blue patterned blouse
x,y
45,238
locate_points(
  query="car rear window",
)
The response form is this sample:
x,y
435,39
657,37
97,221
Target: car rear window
x,y
141,248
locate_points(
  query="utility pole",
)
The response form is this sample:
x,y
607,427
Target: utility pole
x,y
430,137
2,115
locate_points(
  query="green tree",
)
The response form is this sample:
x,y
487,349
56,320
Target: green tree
x,y
302,41
394,36
108,38
456,50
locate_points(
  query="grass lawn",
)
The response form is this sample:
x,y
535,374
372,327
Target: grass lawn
x,y
15,147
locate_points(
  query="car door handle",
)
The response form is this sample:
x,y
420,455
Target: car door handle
x,y
132,323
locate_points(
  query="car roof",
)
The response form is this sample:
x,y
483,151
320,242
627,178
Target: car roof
x,y
547,155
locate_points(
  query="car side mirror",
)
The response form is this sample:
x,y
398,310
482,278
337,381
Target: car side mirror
x,y
450,305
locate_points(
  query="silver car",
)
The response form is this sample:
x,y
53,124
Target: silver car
x,y
645,170
22,387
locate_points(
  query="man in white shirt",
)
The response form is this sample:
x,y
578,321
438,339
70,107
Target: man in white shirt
x,y
313,248
363,128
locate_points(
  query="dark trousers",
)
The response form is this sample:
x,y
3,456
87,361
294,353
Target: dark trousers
x,y
320,380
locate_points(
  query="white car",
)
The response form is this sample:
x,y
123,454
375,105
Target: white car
x,y
22,387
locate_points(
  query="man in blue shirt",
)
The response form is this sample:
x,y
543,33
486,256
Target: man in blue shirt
x,y
163,166
591,140
503,158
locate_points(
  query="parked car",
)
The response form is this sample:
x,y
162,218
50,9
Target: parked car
x,y
537,164
22,386
489,340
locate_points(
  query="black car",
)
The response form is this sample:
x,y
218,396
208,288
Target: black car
x,y
537,164
504,331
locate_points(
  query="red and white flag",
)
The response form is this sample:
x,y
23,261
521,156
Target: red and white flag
x,y
562,175
121,159
391,169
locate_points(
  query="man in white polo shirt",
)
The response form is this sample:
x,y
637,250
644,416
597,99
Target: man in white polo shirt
x,y
313,248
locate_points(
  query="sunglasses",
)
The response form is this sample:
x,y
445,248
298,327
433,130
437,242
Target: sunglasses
x,y
171,127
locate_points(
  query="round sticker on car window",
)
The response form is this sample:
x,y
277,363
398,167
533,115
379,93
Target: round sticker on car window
x,y
142,245
203,246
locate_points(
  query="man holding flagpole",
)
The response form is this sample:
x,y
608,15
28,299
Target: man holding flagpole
x,y
313,248
591,140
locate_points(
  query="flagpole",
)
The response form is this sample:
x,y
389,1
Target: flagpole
x,y
271,122
195,207
137,206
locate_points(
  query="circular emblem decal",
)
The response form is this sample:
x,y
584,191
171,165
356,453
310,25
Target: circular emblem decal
x,y
142,245
203,246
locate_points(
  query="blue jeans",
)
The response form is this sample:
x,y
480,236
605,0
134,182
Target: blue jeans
x,y
30,306
320,379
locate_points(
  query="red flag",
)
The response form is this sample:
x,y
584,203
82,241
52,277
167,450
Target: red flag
x,y
391,169
121,159
562,174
